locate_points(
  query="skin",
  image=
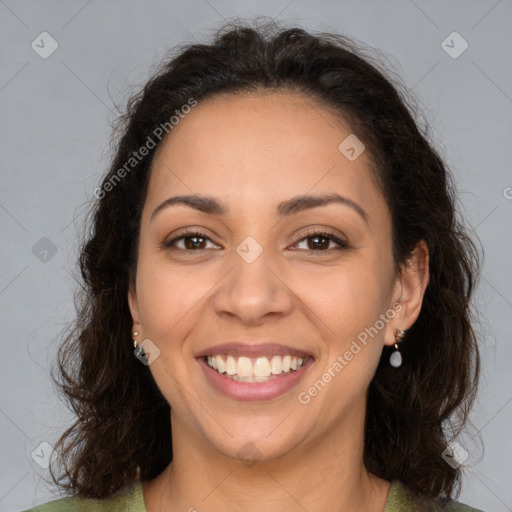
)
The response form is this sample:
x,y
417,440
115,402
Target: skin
x,y
251,152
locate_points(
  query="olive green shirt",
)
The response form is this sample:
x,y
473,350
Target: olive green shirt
x,y
131,499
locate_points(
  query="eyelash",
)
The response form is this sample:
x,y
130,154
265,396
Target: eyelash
x,y
314,234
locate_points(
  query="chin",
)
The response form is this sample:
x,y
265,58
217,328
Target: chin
x,y
256,440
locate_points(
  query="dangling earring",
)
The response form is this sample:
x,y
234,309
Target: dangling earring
x,y
138,350
396,357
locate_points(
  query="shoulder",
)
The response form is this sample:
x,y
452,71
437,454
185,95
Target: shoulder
x,y
129,499
402,499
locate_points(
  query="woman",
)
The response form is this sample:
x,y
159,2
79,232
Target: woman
x,y
276,273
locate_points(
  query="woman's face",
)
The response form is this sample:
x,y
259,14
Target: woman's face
x,y
259,289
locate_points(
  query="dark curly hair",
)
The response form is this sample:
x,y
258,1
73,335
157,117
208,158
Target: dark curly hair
x,y
123,431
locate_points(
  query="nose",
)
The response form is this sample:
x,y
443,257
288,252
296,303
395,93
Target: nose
x,y
253,292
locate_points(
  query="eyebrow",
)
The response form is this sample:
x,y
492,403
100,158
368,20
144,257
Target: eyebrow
x,y
286,208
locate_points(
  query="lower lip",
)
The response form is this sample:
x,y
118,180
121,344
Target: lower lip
x,y
254,391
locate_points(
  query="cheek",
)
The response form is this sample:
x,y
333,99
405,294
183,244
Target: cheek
x,y
169,300
167,295
346,305
347,299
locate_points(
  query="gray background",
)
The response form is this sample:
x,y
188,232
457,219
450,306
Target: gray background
x,y
56,115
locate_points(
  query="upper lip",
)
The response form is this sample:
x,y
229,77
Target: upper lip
x,y
253,349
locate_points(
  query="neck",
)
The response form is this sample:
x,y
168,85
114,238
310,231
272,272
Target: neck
x,y
312,477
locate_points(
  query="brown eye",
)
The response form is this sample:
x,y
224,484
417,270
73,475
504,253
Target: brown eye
x,y
321,241
192,241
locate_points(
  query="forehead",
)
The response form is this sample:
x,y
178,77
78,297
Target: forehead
x,y
260,147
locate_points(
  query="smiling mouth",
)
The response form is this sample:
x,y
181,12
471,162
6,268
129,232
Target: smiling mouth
x,y
255,369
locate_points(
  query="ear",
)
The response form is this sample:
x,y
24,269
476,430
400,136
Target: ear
x,y
133,304
410,289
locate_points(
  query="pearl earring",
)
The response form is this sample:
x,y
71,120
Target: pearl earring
x,y
396,357
138,351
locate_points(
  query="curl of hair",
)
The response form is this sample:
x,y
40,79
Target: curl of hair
x,y
123,426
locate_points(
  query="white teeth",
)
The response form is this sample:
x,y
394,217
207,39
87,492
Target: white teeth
x,y
252,379
220,364
244,370
276,365
231,365
244,367
261,367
